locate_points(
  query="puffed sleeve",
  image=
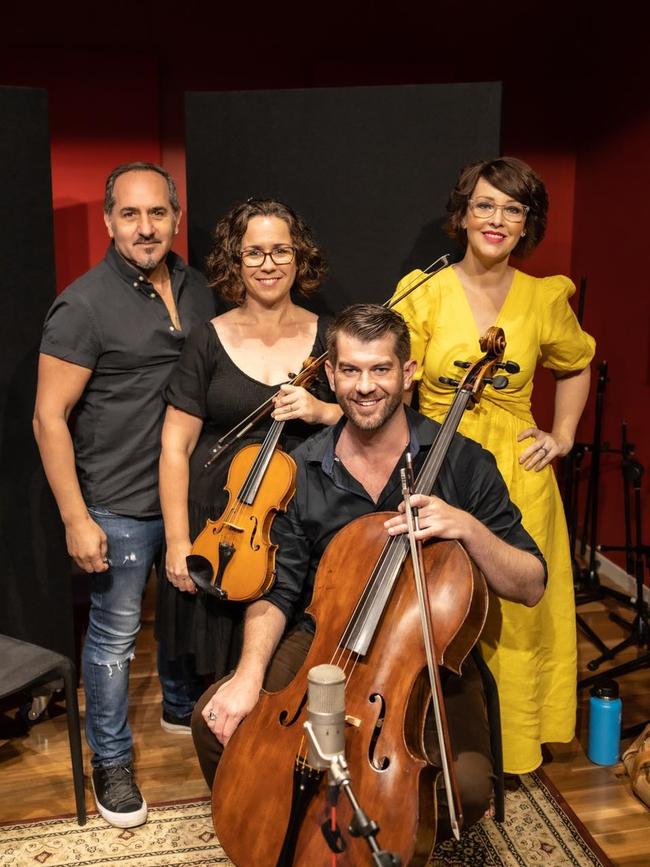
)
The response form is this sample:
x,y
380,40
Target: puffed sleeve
x,y
564,346
418,309
188,385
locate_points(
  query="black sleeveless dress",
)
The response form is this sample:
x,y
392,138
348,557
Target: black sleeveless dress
x,y
207,383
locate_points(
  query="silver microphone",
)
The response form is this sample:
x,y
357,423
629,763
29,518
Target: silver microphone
x,y
326,714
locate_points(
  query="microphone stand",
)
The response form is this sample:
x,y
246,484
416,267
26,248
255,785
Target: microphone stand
x,y
361,825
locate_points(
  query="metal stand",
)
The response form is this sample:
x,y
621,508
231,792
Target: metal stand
x,y
637,558
587,584
361,825
639,627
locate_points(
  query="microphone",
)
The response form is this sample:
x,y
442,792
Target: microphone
x,y
326,715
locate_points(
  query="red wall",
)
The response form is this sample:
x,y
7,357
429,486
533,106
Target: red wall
x,y
89,137
610,249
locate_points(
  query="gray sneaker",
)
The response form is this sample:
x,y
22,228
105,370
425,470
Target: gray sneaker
x,y
117,797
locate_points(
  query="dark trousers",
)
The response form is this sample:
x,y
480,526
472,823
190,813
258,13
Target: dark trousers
x,y
466,715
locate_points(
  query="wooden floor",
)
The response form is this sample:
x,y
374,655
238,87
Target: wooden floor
x,y
36,780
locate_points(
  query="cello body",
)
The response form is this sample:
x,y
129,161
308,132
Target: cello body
x,y
258,789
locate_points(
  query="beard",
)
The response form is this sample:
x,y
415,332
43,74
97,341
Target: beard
x,y
384,411
148,260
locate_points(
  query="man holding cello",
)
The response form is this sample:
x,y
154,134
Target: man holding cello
x,y
353,469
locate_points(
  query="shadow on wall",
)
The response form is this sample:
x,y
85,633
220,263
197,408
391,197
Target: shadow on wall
x,y
78,231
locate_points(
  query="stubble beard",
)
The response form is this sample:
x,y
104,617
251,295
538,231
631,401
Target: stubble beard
x,y
371,423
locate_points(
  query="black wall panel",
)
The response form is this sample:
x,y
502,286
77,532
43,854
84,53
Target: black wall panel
x,y
369,168
34,567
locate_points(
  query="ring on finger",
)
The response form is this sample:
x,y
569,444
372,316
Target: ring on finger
x,y
212,715
543,449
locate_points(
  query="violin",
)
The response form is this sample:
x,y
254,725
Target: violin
x,y
232,558
268,803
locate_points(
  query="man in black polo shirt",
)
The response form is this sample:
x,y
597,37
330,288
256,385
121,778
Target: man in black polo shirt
x,y
352,469
109,344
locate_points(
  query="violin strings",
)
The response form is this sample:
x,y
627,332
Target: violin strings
x,y
256,473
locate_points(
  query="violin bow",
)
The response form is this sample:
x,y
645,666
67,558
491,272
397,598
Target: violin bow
x,y
437,697
242,427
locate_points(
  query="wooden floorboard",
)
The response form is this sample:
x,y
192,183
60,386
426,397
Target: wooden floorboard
x,y
36,778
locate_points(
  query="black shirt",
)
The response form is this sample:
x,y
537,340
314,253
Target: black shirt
x,y
112,321
327,498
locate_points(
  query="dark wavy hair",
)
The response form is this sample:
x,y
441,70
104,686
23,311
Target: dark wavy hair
x,y
514,178
224,262
368,322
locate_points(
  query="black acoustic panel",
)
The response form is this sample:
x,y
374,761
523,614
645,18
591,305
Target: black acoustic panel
x,y
34,567
370,169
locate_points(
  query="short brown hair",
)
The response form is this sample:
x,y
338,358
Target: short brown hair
x,y
224,262
369,322
514,178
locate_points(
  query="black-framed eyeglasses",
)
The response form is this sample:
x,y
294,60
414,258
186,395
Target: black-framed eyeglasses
x,y
483,209
254,258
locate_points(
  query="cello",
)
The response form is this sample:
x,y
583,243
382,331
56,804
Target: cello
x,y
272,817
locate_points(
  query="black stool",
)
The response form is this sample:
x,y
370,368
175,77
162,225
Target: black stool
x,y
23,665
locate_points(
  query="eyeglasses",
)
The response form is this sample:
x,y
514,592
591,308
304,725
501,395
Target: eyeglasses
x,y
279,256
483,209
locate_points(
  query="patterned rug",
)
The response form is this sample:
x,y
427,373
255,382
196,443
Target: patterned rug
x,y
539,829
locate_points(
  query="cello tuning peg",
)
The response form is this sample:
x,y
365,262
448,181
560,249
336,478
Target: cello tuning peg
x,y
509,366
463,364
499,382
448,380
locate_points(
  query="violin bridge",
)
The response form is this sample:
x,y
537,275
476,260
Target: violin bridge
x,y
234,527
352,721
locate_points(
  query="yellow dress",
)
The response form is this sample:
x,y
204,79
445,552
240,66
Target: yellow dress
x,y
531,651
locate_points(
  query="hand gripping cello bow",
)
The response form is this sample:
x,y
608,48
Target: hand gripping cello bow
x,y
268,801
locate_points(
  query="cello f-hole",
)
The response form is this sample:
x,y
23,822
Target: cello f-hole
x,y
382,763
284,717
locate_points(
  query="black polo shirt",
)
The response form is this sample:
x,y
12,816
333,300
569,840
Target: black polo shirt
x,y
328,498
112,321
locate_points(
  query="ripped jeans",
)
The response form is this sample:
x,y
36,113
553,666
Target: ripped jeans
x,y
134,545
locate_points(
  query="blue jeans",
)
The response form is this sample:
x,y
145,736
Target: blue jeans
x,y
134,545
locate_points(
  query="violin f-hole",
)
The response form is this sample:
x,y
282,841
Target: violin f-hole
x,y
254,546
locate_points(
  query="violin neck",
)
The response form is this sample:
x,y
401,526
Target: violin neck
x,y
257,472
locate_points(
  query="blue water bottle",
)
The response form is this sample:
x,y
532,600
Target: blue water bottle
x,y
604,723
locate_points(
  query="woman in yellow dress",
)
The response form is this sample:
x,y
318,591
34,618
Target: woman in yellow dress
x,y
498,209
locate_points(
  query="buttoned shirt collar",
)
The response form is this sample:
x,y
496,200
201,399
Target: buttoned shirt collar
x,y
322,451
135,278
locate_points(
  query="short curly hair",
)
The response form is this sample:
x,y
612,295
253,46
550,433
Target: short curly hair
x,y
514,178
224,262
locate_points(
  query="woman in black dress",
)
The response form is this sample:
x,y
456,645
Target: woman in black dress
x,y
228,367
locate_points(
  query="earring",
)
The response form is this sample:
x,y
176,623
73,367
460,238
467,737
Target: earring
x,y
523,234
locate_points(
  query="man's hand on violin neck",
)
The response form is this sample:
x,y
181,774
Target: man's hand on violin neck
x,y
436,518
